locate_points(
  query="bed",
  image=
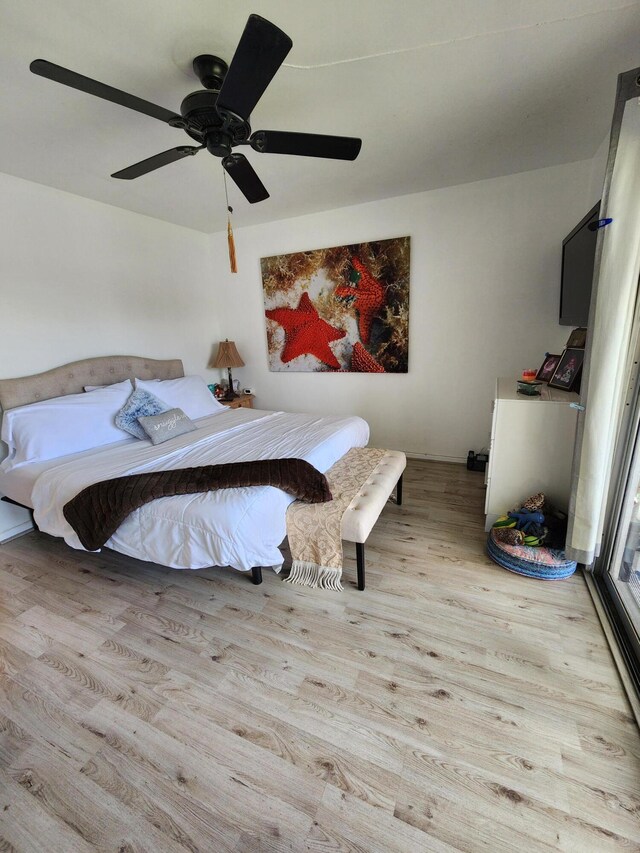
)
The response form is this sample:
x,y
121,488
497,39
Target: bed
x,y
241,527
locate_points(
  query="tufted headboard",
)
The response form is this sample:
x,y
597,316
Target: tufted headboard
x,y
71,378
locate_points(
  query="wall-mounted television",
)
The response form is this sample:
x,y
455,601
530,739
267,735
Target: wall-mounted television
x,y
578,256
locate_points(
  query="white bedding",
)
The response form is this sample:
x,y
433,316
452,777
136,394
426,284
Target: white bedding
x,y
17,483
241,528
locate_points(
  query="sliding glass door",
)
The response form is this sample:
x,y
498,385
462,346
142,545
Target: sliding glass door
x,y
617,570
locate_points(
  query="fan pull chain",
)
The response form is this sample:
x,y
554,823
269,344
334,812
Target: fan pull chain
x,y
232,246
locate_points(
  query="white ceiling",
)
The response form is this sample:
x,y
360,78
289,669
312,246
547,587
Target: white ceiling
x,y
441,91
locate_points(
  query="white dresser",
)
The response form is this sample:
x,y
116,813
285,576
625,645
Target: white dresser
x,y
531,448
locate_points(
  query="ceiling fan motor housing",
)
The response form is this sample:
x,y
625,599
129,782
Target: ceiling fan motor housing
x,y
219,130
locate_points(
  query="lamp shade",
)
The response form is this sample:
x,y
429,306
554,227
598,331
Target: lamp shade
x,y
227,356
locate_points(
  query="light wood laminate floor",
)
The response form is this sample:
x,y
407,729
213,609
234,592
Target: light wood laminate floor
x,y
451,706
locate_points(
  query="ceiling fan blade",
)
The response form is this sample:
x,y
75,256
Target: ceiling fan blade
x,y
241,171
261,51
306,144
101,90
157,161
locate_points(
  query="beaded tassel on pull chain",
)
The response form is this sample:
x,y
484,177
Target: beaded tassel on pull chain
x,y
232,246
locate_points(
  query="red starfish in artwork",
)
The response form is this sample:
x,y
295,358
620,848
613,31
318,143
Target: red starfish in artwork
x,y
306,332
363,362
367,295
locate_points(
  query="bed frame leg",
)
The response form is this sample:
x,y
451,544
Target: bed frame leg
x,y
256,574
360,563
399,491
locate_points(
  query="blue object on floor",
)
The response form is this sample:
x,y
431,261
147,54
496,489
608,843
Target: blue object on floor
x,y
547,564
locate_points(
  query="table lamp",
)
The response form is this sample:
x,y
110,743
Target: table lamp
x,y
227,356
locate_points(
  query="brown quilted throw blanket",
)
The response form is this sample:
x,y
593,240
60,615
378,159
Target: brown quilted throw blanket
x,y
96,512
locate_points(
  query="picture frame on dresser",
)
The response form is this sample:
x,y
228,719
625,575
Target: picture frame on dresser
x,y
567,374
548,367
577,338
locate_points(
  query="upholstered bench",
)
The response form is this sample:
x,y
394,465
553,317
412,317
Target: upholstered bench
x,y
365,507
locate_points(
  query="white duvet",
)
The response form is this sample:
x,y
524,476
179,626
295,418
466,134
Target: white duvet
x,y
229,527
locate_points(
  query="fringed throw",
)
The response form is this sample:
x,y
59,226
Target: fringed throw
x,y
314,530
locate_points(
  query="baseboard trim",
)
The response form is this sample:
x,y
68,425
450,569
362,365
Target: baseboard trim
x,y
15,531
460,460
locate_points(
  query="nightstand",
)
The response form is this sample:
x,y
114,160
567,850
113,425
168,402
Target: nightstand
x,y
244,401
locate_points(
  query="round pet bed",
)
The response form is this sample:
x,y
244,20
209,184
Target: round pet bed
x,y
548,564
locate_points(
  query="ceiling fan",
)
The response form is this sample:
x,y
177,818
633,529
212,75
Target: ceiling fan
x,y
217,117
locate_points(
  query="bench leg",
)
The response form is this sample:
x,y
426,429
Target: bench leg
x,y
256,575
399,491
360,562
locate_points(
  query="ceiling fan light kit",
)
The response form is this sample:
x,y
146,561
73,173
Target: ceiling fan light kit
x,y
217,116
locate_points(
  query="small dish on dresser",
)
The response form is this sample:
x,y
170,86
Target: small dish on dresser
x,y
529,389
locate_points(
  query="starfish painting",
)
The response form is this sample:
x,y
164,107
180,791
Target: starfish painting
x,y
366,295
306,333
340,309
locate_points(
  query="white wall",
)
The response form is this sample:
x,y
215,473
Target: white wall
x,y
485,284
79,278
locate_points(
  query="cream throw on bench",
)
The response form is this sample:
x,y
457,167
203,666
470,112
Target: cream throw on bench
x,y
314,530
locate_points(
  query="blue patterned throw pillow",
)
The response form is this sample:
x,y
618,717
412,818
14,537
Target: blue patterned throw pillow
x,y
140,404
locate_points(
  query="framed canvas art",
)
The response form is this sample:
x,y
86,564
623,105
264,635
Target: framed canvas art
x,y
341,309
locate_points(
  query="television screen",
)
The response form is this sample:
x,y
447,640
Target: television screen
x,y
578,256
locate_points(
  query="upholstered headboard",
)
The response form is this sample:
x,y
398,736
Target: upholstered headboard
x,y
71,378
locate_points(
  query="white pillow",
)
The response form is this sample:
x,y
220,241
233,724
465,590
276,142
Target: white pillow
x,y
189,393
63,425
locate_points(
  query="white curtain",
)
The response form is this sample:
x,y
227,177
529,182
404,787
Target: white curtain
x,y
611,342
